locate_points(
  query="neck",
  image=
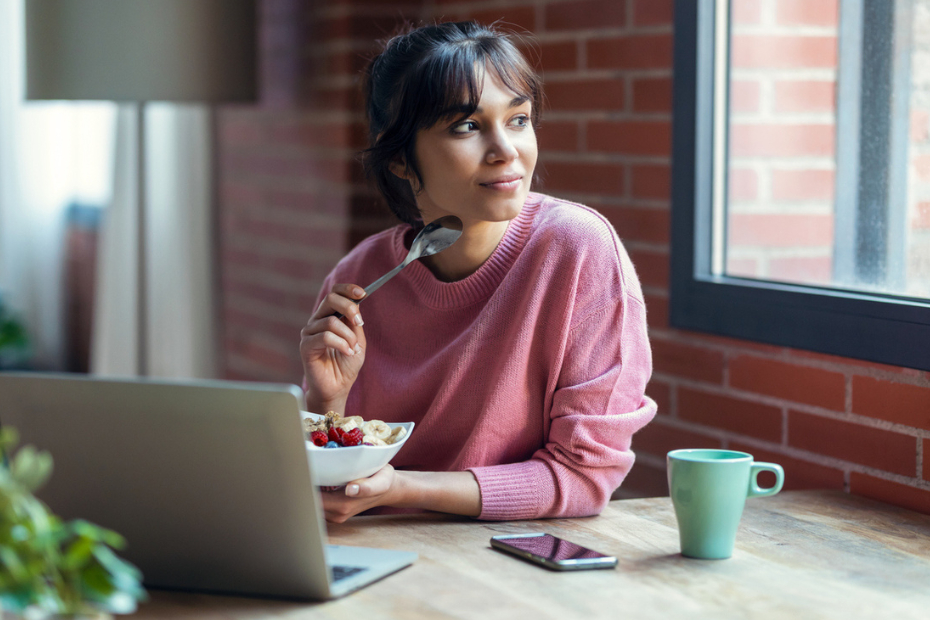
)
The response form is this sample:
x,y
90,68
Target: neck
x,y
465,256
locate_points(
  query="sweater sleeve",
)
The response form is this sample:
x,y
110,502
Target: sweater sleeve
x,y
598,404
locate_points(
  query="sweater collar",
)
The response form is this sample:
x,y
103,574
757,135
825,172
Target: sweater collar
x,y
480,285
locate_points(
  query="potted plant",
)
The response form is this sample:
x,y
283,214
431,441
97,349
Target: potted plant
x,y
49,567
14,341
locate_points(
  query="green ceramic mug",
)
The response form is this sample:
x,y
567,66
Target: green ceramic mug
x,y
708,490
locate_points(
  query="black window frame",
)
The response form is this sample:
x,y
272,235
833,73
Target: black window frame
x,y
882,328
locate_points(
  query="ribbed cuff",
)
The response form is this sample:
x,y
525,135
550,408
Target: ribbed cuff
x,y
514,491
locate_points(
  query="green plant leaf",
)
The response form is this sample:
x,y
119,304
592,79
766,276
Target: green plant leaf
x,y
97,533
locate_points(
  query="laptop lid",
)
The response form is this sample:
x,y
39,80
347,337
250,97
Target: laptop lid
x,y
208,481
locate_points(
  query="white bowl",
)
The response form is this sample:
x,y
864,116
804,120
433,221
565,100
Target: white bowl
x,y
333,467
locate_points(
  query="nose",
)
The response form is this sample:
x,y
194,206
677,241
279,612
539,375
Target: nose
x,y
501,148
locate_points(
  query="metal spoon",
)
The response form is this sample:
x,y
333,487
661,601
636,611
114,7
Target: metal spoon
x,y
434,238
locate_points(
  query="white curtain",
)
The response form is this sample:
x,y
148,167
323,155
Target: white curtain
x,y
180,282
51,155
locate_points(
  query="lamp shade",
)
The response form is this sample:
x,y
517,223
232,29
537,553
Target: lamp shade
x,y
141,50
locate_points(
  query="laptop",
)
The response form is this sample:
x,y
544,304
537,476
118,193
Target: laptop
x,y
208,481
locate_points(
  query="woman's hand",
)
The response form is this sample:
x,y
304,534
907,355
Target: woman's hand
x,y
380,489
332,349
454,492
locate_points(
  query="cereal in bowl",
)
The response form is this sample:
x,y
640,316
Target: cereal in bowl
x,y
337,431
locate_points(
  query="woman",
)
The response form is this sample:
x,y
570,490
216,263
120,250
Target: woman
x,y
521,351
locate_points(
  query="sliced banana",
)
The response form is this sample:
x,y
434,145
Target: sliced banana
x,y
347,425
375,441
357,419
376,428
397,435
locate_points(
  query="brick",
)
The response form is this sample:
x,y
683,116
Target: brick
x,y
691,362
857,443
314,135
643,481
652,51
805,96
658,438
589,177
783,52
256,292
661,393
240,131
743,267
653,12
638,224
652,94
650,138
800,384
921,217
804,269
558,56
745,96
652,266
803,184
926,456
896,402
794,140
651,182
582,14
729,413
921,165
744,184
780,230
894,493
920,125
746,12
516,18
800,474
557,136
592,94
807,12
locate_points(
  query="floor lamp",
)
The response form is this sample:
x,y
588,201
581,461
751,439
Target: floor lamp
x,y
137,51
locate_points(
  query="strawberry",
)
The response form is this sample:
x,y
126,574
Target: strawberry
x,y
319,438
353,437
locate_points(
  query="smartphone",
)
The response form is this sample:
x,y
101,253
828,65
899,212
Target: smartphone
x,y
552,552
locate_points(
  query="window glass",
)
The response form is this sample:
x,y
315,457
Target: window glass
x,y
828,145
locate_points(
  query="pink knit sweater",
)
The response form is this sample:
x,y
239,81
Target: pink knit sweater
x,y
530,372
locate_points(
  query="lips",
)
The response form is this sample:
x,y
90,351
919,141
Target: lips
x,y
506,182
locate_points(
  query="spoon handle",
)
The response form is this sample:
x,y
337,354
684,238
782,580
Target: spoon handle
x,y
374,286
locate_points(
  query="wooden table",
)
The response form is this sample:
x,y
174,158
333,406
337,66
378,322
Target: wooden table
x,y
799,555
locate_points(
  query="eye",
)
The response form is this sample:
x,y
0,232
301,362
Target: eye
x,y
464,127
521,121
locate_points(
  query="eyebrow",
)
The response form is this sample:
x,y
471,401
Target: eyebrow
x,y
516,101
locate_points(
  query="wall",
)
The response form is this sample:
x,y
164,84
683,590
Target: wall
x,y
292,202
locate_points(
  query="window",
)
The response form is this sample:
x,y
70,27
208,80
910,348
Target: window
x,y
801,167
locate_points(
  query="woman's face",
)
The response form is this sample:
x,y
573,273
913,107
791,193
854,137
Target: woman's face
x,y
479,168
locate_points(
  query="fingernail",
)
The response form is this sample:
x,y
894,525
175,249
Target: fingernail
x,y
358,348
358,320
352,490
359,292
352,351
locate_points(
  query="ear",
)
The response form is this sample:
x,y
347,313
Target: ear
x,y
398,168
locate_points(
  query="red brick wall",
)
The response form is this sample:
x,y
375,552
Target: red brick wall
x,y
292,203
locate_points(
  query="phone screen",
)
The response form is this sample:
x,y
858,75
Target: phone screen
x,y
553,551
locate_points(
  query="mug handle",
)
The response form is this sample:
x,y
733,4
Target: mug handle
x,y
755,490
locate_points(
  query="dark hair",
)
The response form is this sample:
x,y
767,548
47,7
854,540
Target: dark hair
x,y
424,76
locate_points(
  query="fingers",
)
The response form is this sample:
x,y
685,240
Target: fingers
x,y
377,484
331,333
357,496
342,299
